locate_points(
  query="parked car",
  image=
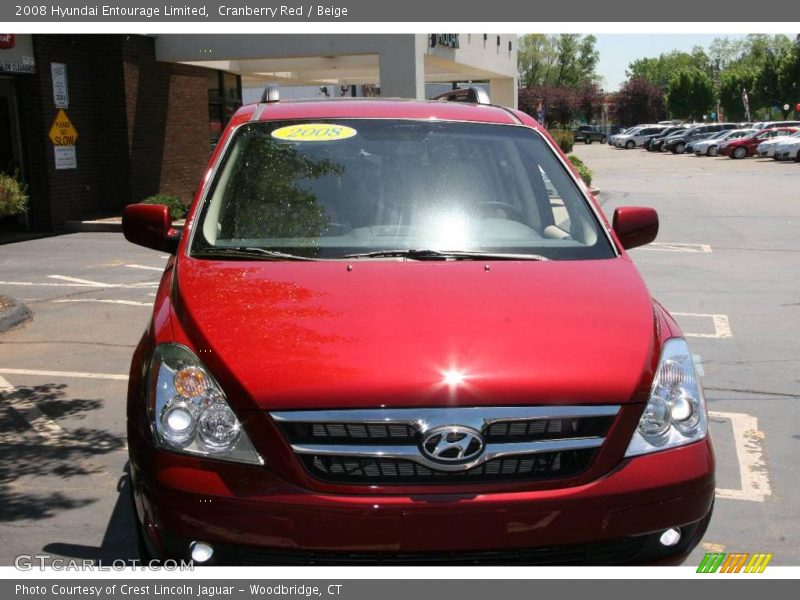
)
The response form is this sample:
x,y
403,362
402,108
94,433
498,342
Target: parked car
x,y
636,137
767,148
656,144
357,353
746,146
773,124
788,149
676,143
589,134
709,146
612,141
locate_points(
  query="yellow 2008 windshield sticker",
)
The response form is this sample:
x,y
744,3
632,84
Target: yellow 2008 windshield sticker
x,y
314,132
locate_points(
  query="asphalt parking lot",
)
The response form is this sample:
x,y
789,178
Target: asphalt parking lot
x,y
726,264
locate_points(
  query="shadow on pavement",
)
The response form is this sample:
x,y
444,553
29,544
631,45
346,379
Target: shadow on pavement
x,y
119,540
34,472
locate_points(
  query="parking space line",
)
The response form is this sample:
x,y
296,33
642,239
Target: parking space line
x,y
752,470
677,247
77,374
76,280
145,267
722,326
47,429
103,301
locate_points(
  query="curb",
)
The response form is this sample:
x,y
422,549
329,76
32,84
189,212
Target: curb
x,y
13,315
103,226
93,226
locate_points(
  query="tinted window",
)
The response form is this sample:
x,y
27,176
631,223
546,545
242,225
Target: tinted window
x,y
399,185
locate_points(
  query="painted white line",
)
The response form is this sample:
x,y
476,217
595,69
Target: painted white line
x,y
752,470
104,301
47,429
722,326
698,365
144,284
64,374
145,267
76,280
667,247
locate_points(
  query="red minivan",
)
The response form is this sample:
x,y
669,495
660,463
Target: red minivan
x,y
402,332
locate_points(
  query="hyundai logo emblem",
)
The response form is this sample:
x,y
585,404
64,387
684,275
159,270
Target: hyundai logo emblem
x,y
452,444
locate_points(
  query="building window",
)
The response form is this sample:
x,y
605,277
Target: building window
x,y
224,98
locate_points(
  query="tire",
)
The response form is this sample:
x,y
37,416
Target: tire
x,y
587,140
712,150
604,140
797,158
629,144
739,152
679,148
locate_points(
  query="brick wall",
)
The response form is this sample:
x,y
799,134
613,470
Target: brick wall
x,y
142,127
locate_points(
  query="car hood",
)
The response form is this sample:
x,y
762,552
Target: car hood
x,y
386,332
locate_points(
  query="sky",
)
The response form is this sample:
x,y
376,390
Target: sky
x,y
617,51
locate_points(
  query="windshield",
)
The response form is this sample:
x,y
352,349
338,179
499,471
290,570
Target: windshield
x,y
375,185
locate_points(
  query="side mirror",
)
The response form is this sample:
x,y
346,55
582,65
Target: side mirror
x,y
150,225
635,225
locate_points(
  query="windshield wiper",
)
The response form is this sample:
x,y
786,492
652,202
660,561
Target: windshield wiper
x,y
246,252
418,254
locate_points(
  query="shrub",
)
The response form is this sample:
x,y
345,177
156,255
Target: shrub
x,y
584,171
13,195
564,138
177,209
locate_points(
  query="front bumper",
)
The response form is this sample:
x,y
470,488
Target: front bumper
x,y
247,512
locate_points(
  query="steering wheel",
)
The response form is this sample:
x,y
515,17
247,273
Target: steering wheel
x,y
512,212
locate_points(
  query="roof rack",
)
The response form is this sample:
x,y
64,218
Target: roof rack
x,y
272,93
474,95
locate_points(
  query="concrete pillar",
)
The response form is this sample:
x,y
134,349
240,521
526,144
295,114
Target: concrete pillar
x,y
504,91
402,68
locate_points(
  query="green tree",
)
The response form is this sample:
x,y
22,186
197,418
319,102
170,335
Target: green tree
x,y
660,70
732,81
690,93
555,60
536,59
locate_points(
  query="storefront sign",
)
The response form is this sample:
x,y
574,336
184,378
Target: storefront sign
x,y
446,40
65,157
16,54
60,90
63,132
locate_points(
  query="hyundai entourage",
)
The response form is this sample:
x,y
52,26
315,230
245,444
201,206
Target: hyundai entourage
x,y
403,332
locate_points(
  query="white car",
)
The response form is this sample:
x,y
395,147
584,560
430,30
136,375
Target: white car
x,y
636,137
709,146
788,149
768,147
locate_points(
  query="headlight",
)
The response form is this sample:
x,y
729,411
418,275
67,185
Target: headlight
x,y
676,411
189,412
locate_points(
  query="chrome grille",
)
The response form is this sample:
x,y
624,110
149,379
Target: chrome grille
x,y
385,446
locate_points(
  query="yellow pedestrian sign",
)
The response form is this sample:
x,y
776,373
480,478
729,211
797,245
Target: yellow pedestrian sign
x,y
63,132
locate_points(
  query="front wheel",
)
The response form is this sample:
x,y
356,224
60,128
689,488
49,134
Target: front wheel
x,y
739,152
712,151
629,144
588,140
680,148
797,158
603,140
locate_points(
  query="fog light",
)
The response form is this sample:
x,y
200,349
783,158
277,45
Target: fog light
x,y
670,537
201,552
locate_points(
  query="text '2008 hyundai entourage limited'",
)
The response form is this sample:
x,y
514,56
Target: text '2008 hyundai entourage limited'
x,y
402,332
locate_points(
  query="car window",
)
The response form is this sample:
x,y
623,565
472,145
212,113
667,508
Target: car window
x,y
398,185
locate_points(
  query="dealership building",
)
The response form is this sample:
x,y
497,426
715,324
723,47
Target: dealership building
x,y
92,123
